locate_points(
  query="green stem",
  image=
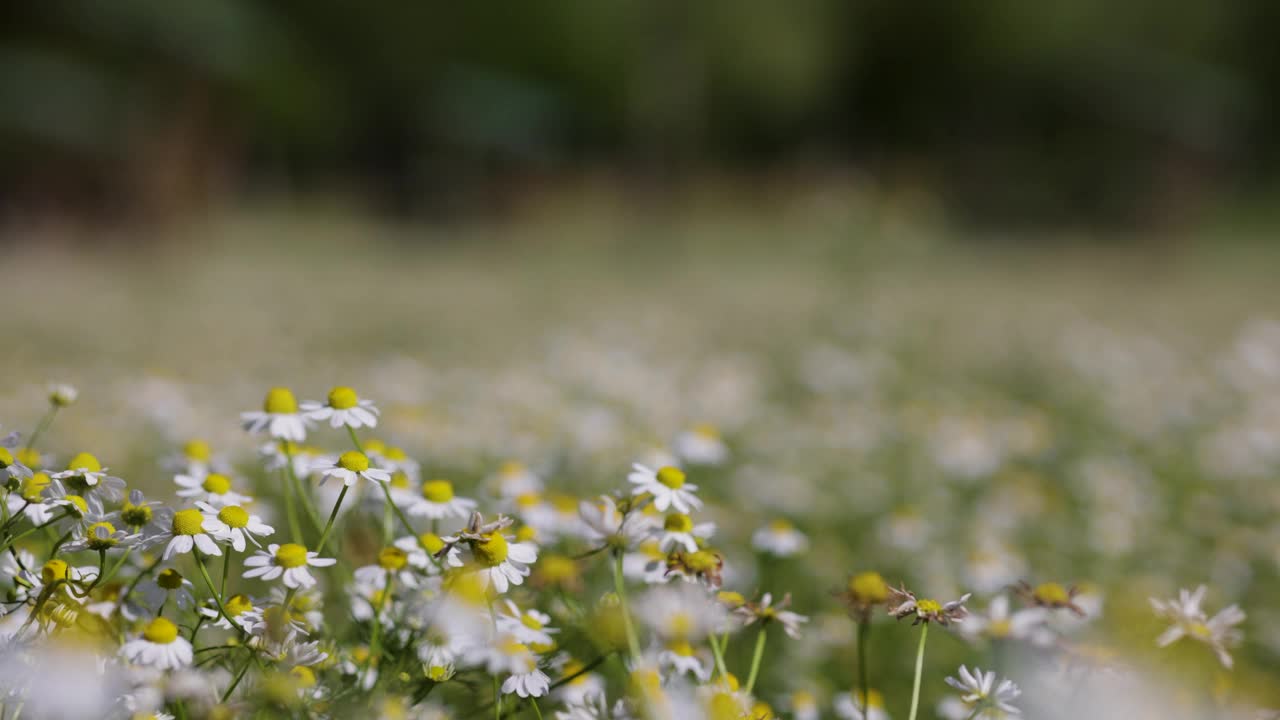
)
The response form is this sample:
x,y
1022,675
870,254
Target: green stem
x,y
375,647
124,597
633,642
226,568
718,653
864,639
45,421
124,556
536,710
756,657
333,514
295,528
208,581
239,675
308,506
11,541
355,440
497,699
915,686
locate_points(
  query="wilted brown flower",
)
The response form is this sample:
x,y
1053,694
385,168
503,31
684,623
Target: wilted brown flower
x,y
903,603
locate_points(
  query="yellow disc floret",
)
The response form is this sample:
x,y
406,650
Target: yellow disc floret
x,y
928,607
492,551
869,588
291,555
237,604
392,558
280,401
33,487
437,491
6,458
354,461
54,570
188,522
216,484
84,462
431,542
234,516
678,523
197,450
169,579
136,515
101,541
160,631
79,506
343,398
672,477
1052,593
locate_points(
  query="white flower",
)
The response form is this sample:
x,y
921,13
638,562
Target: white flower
x,y
765,611
279,417
167,584
667,486
438,502
1189,620
343,407
681,657
353,465
999,623
678,530
187,531
9,465
102,535
780,538
160,646
62,394
241,610
981,691
681,612
604,524
86,476
233,524
701,446
499,561
514,479
530,627
289,561
212,488
507,656
413,548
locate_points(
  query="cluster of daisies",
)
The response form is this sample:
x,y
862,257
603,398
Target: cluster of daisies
x,y
345,582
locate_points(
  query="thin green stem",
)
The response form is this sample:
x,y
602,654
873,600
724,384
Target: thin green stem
x,y
295,528
536,710
864,639
208,581
11,541
308,506
354,440
375,647
226,569
915,686
124,556
718,653
497,699
45,421
333,515
239,675
756,657
633,642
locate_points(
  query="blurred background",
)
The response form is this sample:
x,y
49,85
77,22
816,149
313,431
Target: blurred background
x,y
997,278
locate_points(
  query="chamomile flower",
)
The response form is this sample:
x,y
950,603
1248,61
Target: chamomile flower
x,y
983,696
530,627
514,479
903,603
167,585
10,465
681,612
498,561
159,646
508,656
679,531
62,394
668,487
213,488
999,623
438,502
102,535
1050,595
288,562
343,407
352,465
86,476
421,552
581,685
780,538
1189,620
701,445
28,499
278,418
242,611
603,524
187,531
681,657
78,510
766,612
849,706
233,524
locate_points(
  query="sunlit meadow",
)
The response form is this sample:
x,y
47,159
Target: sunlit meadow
x,y
818,462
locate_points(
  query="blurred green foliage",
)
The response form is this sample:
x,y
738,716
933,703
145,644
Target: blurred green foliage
x,y
1011,109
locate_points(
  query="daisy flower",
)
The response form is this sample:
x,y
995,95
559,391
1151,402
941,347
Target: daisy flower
x,y
508,656
582,687
167,584
421,550
498,561
150,518
680,612
159,646
683,658
29,499
1189,620
233,524
62,394
766,612
288,561
514,479
85,475
1050,595
10,466
343,407
780,538
102,535
279,417
79,510
903,603
530,627
983,696
678,530
187,531
667,486
439,502
353,465
999,623
701,445
213,488
240,609
603,524
848,706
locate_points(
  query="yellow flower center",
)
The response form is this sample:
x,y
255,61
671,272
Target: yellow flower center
x,y
84,462
343,398
528,500
511,468
678,523
1199,631
731,599
530,622
492,551
869,588
280,401
928,607
431,542
354,461
169,579
291,555
395,454
672,477
53,570
702,561
781,526
135,515
680,624
160,631
1052,593
509,646
81,506
101,543
304,675
29,457
874,699
1000,628
400,480
188,522
238,604
526,533
707,431
33,487
234,516
216,484
681,648
6,458
437,491
557,569
392,558
197,450
724,706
